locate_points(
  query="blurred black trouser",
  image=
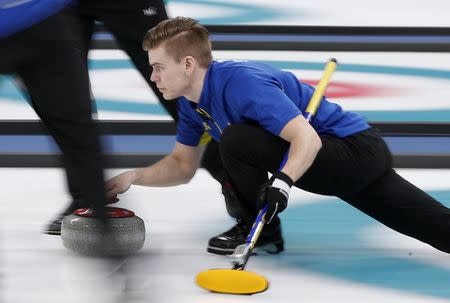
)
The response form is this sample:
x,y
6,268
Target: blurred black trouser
x,y
357,169
128,23
49,60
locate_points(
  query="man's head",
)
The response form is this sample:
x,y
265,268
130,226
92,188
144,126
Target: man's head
x,y
177,49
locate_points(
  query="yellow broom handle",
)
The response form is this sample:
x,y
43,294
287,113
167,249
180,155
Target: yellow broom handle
x,y
320,89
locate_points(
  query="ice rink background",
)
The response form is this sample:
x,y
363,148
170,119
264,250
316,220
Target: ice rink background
x,y
333,253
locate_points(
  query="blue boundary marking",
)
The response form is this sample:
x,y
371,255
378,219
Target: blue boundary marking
x,y
111,144
418,145
439,115
332,226
130,107
164,144
444,39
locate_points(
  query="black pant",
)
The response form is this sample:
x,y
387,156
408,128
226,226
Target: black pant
x,y
127,22
49,60
357,169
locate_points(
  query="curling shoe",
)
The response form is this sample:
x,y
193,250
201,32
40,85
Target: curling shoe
x,y
54,227
270,241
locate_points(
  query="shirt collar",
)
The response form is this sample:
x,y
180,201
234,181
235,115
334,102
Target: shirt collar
x,y
205,98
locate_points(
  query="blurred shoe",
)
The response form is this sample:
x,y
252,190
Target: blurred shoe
x,y
54,227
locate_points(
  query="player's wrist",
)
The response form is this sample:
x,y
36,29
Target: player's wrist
x,y
282,181
135,175
283,177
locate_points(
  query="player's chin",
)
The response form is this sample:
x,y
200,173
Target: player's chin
x,y
170,96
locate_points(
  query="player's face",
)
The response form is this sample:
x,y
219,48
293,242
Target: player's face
x,y
169,75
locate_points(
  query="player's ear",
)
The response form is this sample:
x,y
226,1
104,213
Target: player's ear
x,y
189,64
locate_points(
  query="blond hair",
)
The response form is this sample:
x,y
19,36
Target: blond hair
x,y
181,37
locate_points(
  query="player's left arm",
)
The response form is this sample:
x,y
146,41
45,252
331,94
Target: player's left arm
x,y
266,102
305,143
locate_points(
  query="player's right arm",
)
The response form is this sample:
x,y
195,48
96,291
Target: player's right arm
x,y
176,168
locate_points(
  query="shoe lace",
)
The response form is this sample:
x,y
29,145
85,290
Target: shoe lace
x,y
241,228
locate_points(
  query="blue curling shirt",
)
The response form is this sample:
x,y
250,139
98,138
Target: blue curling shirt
x,y
237,92
18,15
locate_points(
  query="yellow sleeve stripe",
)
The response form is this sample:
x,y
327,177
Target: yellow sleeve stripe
x,y
205,139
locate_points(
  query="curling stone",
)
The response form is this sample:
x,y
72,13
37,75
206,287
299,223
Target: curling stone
x,y
82,233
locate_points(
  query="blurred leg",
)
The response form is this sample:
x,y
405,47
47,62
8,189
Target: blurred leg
x,y
128,23
58,83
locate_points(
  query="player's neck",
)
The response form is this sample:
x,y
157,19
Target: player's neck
x,y
195,88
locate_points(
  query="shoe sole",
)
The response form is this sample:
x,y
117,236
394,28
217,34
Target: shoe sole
x,y
52,232
270,248
219,251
